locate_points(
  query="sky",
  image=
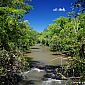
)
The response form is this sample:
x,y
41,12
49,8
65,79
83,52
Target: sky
x,y
45,11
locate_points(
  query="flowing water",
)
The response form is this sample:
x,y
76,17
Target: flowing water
x,y
35,75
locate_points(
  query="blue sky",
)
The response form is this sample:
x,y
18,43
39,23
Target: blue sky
x,y
45,11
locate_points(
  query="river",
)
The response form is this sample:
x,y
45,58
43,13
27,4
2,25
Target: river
x,y
43,54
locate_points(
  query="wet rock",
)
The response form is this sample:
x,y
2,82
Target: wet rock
x,y
50,70
36,64
50,75
52,67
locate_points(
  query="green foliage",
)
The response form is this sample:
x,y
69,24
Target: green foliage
x,y
11,63
67,35
55,43
78,65
14,32
15,36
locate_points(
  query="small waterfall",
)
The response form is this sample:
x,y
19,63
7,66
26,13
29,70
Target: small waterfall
x,y
33,74
42,75
32,77
36,75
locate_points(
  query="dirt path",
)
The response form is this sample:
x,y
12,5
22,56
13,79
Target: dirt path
x,y
43,54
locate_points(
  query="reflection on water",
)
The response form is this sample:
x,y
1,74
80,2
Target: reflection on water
x,y
43,54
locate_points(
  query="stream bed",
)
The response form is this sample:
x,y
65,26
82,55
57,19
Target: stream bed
x,y
43,69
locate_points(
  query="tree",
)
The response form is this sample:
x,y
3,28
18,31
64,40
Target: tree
x,y
11,13
15,36
67,35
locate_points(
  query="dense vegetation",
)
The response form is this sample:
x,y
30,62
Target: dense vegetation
x,y
67,35
16,37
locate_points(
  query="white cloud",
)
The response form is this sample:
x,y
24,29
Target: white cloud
x,y
55,9
59,9
62,9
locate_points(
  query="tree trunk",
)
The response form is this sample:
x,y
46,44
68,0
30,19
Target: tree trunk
x,y
82,49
